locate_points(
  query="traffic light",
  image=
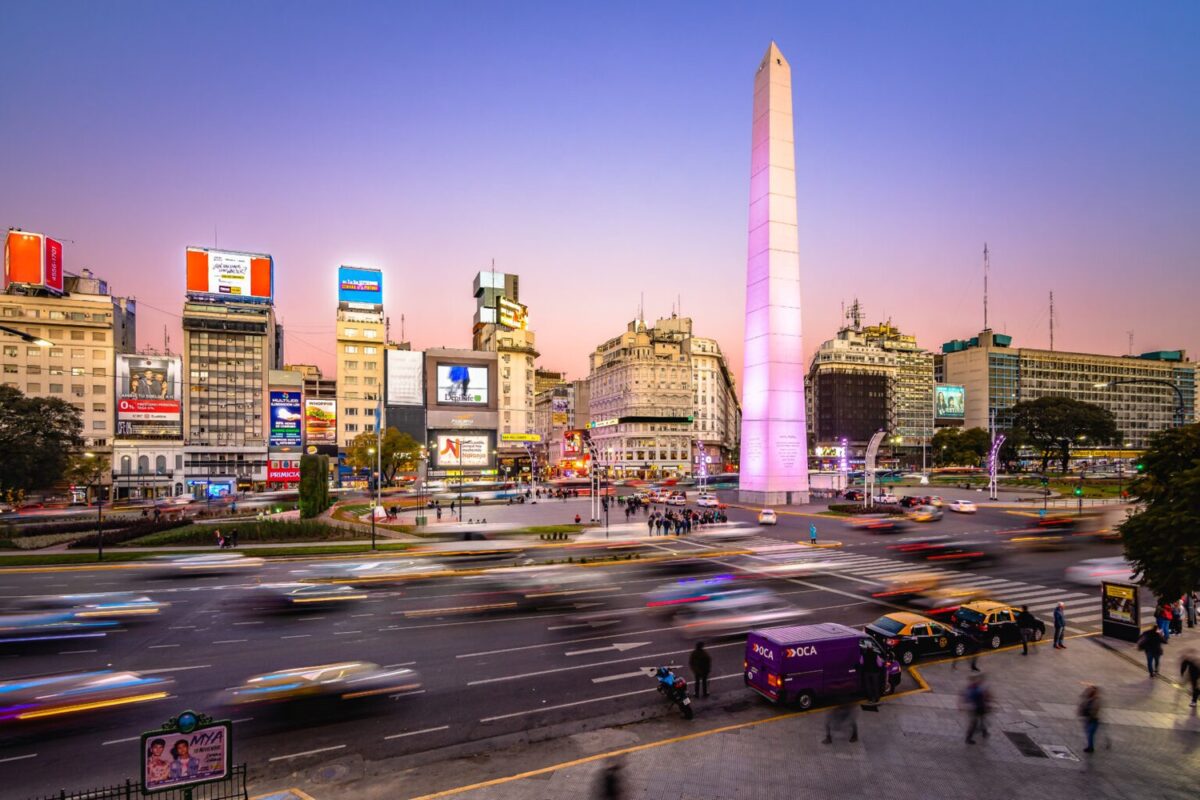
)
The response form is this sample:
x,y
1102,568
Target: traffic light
x,y
1045,481
1079,491
1140,467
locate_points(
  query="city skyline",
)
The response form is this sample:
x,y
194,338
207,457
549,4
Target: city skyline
x,y
1074,169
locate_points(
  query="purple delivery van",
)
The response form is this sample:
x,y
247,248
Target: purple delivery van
x,y
798,663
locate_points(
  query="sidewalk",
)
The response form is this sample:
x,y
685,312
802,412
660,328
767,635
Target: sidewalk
x,y
739,746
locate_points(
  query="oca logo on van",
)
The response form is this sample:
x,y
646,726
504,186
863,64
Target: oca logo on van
x,y
765,652
807,650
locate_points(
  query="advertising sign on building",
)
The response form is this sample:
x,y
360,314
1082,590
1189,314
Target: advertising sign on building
x,y
31,259
320,421
829,452
405,378
465,450
560,409
283,470
287,416
572,443
520,437
950,401
359,285
462,385
149,397
513,314
229,275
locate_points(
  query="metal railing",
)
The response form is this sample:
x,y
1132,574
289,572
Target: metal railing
x,y
232,788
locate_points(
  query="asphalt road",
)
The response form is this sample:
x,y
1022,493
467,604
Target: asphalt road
x,y
487,668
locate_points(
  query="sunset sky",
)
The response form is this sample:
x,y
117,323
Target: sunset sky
x,y
602,152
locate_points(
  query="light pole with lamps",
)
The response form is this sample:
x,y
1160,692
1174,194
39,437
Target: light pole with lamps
x,y
374,505
1180,405
94,479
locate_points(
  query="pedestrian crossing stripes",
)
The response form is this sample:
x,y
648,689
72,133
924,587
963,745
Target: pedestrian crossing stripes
x,y
1081,608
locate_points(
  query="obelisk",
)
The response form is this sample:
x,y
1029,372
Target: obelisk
x,y
774,464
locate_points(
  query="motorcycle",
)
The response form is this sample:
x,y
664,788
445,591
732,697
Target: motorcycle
x,y
672,687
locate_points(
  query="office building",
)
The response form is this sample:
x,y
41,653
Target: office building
x,y
867,379
148,449
996,376
361,342
229,332
716,426
462,413
501,326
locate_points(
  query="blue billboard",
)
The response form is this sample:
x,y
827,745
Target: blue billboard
x,y
287,419
358,285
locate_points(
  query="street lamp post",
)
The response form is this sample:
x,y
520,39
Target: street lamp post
x,y
1179,402
374,505
94,480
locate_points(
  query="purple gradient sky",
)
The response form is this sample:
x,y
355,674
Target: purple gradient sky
x,y
603,153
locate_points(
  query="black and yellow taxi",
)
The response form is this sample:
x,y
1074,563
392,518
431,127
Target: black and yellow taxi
x,y
912,636
992,623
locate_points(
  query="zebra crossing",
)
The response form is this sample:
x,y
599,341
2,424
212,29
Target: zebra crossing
x,y
1082,609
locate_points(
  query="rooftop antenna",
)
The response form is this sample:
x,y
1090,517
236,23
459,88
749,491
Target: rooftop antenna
x,y
986,268
1130,342
387,329
402,329
166,341
1052,321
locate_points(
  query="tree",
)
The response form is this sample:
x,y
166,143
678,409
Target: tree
x,y
1160,540
1053,425
314,485
956,447
400,452
37,437
89,471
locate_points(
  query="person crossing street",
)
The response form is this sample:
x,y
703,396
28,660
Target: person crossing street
x,y
1026,623
1060,626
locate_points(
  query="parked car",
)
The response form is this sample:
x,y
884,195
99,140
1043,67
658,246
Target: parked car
x,y
995,623
767,517
912,500
853,495
912,636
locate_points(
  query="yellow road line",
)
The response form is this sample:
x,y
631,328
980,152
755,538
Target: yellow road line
x,y
299,794
924,687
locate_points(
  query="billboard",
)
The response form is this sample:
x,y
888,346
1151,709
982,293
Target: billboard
x,y
31,259
950,401
283,470
572,443
359,285
320,420
462,385
178,756
560,407
513,314
462,450
520,437
230,275
149,397
405,378
287,417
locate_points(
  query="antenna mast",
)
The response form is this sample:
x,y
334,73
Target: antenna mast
x,y
1130,342
986,268
1052,321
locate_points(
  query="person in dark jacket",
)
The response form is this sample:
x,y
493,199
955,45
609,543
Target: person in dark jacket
x,y
1189,667
1026,623
1089,709
1060,626
979,704
1151,643
610,783
701,664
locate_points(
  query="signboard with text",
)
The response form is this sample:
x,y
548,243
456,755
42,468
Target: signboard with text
x,y
950,401
189,750
453,450
33,259
1119,611
149,397
287,418
229,275
358,285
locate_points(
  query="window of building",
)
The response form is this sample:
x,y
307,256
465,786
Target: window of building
x,y
77,336
369,334
10,369
351,427
350,364
99,408
98,336
10,351
143,464
350,380
351,411
97,388
33,352
56,388
370,380
99,425
126,465
370,351
350,332
160,465
78,352
99,372
371,365
32,388
57,315
97,355
56,352
77,370
77,389
351,348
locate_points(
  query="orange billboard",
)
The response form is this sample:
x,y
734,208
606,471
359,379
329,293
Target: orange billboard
x,y
230,275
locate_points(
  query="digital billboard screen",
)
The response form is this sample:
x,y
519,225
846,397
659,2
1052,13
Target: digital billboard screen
x,y
572,443
950,401
359,285
513,314
405,378
462,450
320,421
287,417
149,397
459,384
230,275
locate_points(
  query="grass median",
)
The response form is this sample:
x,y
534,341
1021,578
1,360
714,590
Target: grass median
x,y
267,532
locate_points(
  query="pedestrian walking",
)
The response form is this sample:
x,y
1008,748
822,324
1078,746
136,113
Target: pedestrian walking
x,y
650,524
812,534
1162,618
220,538
837,719
1089,710
1189,608
1151,643
974,642
701,664
979,704
1060,626
233,538
1189,667
1025,622
609,785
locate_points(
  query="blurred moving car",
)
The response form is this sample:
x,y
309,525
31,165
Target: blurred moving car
x,y
705,500
200,564
114,605
348,680
25,699
994,623
925,514
880,523
767,517
307,596
911,500
963,507
690,590
853,495
1094,571
934,500
949,550
735,612
887,498
48,626
912,636
677,499
369,572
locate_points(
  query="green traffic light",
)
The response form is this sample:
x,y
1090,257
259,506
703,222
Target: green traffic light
x,y
1078,491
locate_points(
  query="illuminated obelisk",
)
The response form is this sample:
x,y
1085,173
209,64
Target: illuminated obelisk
x,y
774,465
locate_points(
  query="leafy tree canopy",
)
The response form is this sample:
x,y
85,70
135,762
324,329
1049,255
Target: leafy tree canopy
x,y
1053,425
37,437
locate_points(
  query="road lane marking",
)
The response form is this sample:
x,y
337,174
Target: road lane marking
x,y
297,636
75,652
17,758
416,733
172,669
121,741
622,676
161,646
552,670
308,753
255,622
368,614
607,636
230,641
345,633
620,647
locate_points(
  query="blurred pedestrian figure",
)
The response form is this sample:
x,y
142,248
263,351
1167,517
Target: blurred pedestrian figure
x,y
1060,626
233,538
578,519
1189,668
610,787
1189,606
837,719
1089,710
1177,617
701,664
974,645
220,538
870,673
1025,623
1151,643
1162,618
650,524
979,704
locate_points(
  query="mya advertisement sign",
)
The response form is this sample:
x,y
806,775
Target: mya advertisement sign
x,y
229,275
950,401
287,419
359,285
